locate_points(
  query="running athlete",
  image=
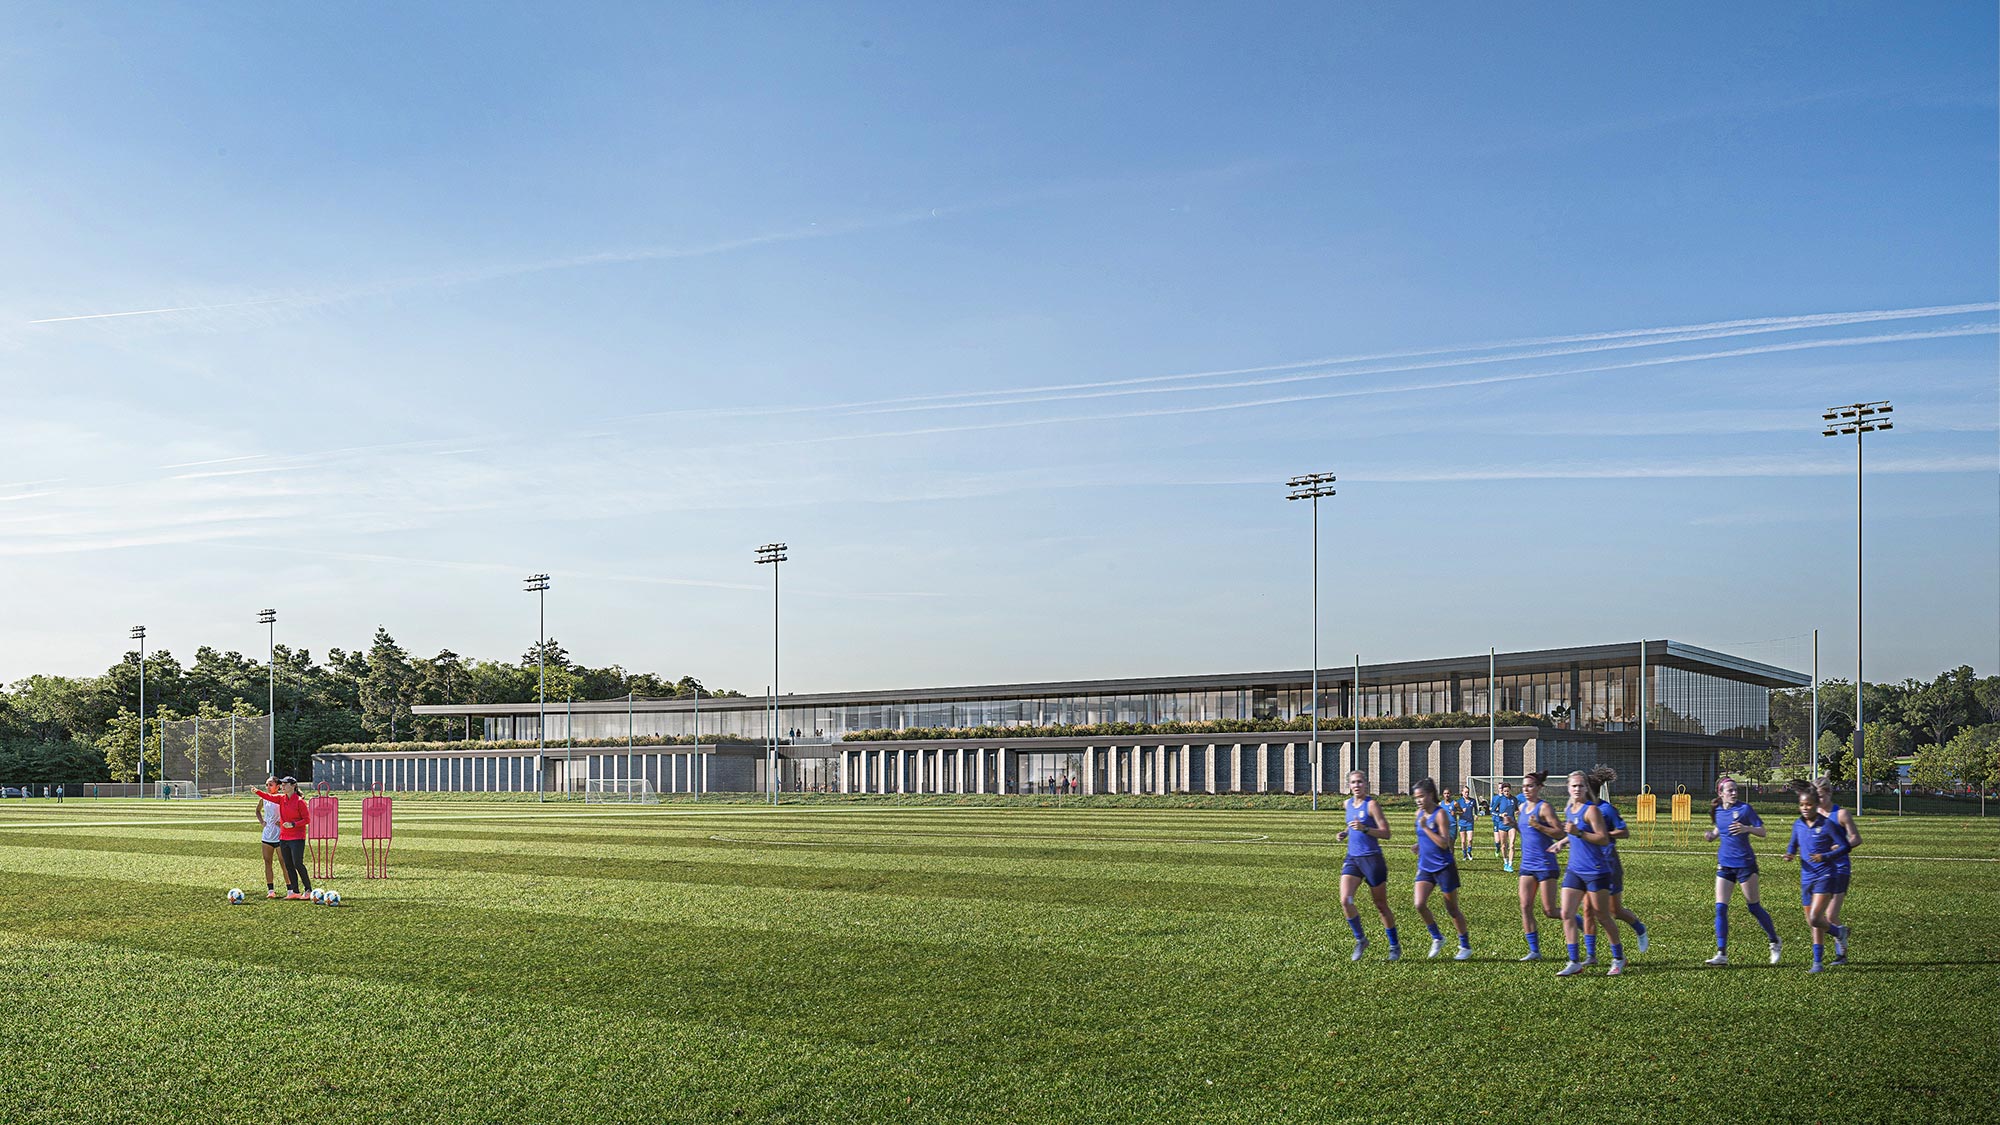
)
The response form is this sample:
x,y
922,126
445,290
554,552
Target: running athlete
x,y
1437,870
1541,834
1733,823
1365,831
1588,875
1465,814
1504,809
1600,780
1845,820
1817,844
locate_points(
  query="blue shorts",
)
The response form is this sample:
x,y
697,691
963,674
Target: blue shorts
x,y
1542,873
1821,883
1370,869
1614,880
1737,874
1445,878
1503,826
1592,883
1465,826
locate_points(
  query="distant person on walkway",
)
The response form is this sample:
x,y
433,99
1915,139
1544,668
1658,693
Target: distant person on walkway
x,y
293,816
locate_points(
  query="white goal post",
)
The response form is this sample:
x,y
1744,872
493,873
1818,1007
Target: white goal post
x,y
620,791
1484,786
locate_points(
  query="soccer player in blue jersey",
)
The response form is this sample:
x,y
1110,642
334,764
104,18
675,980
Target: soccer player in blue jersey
x,y
1463,813
1541,833
1600,780
1733,823
1588,875
1504,809
1840,816
1365,831
1437,870
1817,844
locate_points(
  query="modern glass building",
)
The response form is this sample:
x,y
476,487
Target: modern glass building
x,y
1574,706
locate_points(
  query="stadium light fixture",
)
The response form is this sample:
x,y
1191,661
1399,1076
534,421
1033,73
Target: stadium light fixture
x,y
269,619
538,585
773,554
139,634
1857,419
1311,487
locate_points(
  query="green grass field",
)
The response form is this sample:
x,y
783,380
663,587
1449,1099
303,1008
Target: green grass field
x,y
864,962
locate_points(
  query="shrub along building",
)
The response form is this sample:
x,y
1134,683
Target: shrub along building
x,y
1550,709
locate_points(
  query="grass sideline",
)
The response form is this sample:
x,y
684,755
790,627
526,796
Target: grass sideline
x,y
862,961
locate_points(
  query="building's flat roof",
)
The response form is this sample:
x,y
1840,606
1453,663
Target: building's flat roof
x,y
1671,653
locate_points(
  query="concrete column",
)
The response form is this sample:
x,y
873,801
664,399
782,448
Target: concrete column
x,y
1403,779
1464,763
1000,770
1160,773
1263,767
1530,752
1208,769
979,770
902,771
1236,768
1089,770
1292,752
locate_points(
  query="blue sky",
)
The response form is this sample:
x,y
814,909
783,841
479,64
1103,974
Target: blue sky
x,y
1012,324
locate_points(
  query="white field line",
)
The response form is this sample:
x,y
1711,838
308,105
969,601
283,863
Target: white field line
x,y
977,836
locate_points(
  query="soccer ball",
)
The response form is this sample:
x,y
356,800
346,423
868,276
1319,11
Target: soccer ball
x,y
235,896
332,898
318,895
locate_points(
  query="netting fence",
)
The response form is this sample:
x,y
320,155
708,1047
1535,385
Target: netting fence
x,y
225,755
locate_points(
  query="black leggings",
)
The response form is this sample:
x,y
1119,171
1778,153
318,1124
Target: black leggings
x,y
293,852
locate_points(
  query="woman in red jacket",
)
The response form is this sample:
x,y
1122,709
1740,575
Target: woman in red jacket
x,y
293,817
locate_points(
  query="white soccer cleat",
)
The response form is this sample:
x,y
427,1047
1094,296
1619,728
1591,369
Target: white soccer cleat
x,y
1532,956
1777,948
1360,947
1395,953
1721,960
1464,953
1644,936
1437,946
1617,968
1571,969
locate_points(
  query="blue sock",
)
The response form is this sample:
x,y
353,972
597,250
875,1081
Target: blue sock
x,y
1639,928
1617,952
1534,943
1465,941
1763,917
1840,932
1572,952
1393,943
1819,953
1355,925
1722,926
1436,934
1590,945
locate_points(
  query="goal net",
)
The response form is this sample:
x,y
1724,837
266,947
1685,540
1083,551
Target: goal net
x,y
175,789
1483,788
620,791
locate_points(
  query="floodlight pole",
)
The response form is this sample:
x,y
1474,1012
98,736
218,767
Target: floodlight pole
x,y
269,619
139,634
1311,487
538,585
1492,719
773,554
1815,707
1354,751
1857,419
1642,716
694,763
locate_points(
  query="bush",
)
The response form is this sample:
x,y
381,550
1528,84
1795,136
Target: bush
x,y
475,746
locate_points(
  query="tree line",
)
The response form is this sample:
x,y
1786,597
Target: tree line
x,y
1946,729
57,729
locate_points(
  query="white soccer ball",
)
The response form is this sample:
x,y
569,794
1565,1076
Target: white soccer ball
x,y
332,898
236,896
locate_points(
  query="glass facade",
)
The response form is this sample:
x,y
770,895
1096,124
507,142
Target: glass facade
x,y
1602,697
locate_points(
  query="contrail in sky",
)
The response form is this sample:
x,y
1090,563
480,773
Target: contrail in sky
x,y
157,312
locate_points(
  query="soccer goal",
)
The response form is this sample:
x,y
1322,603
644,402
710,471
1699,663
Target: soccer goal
x,y
175,789
620,791
1485,786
